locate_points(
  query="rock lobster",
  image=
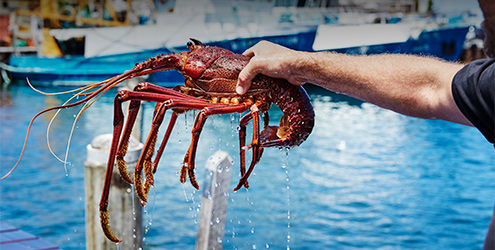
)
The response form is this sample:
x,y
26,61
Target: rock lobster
x,y
211,75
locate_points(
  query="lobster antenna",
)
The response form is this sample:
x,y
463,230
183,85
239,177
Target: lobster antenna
x,y
81,89
108,84
48,134
76,120
53,118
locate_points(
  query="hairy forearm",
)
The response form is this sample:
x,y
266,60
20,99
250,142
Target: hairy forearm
x,y
411,85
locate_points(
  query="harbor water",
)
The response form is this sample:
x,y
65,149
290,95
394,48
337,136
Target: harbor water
x,y
366,178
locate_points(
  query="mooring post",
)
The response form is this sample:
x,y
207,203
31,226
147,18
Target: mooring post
x,y
126,216
215,193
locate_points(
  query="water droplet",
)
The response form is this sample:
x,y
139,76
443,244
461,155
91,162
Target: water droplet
x,y
254,246
252,230
218,220
219,240
267,246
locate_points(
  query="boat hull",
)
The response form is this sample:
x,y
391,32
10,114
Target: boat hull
x,y
78,70
444,43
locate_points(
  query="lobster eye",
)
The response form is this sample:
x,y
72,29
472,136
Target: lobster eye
x,y
190,45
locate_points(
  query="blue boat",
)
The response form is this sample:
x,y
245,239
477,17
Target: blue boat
x,y
446,43
79,70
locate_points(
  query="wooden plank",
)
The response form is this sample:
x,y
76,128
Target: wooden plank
x,y
214,202
12,238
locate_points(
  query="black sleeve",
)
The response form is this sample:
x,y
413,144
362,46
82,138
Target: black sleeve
x,y
473,88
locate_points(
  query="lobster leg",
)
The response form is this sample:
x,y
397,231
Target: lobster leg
x,y
163,95
117,130
255,145
242,143
189,159
144,161
145,157
171,124
134,107
242,140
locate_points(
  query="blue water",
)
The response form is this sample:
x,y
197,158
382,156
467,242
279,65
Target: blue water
x,y
366,178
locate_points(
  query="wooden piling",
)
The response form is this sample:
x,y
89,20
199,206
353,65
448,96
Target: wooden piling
x,y
126,216
214,202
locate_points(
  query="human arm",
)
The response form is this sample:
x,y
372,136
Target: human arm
x,y
411,85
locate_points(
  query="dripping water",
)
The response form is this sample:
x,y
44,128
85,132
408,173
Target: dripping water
x,y
284,154
133,194
234,119
194,208
150,214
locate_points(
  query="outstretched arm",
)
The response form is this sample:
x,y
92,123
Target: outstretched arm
x,y
411,85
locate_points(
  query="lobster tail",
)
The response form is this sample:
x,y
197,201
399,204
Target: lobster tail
x,y
298,117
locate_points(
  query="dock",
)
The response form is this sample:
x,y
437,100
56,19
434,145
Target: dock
x,y
12,238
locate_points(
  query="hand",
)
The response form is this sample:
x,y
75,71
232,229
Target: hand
x,y
271,60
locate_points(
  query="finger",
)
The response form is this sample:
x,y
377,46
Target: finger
x,y
246,76
253,49
249,52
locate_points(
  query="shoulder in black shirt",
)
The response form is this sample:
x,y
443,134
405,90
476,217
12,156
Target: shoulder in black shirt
x,y
473,88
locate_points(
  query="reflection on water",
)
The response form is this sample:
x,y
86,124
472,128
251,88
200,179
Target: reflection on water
x,y
366,177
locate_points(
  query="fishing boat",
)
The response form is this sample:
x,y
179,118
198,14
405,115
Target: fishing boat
x,y
91,54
